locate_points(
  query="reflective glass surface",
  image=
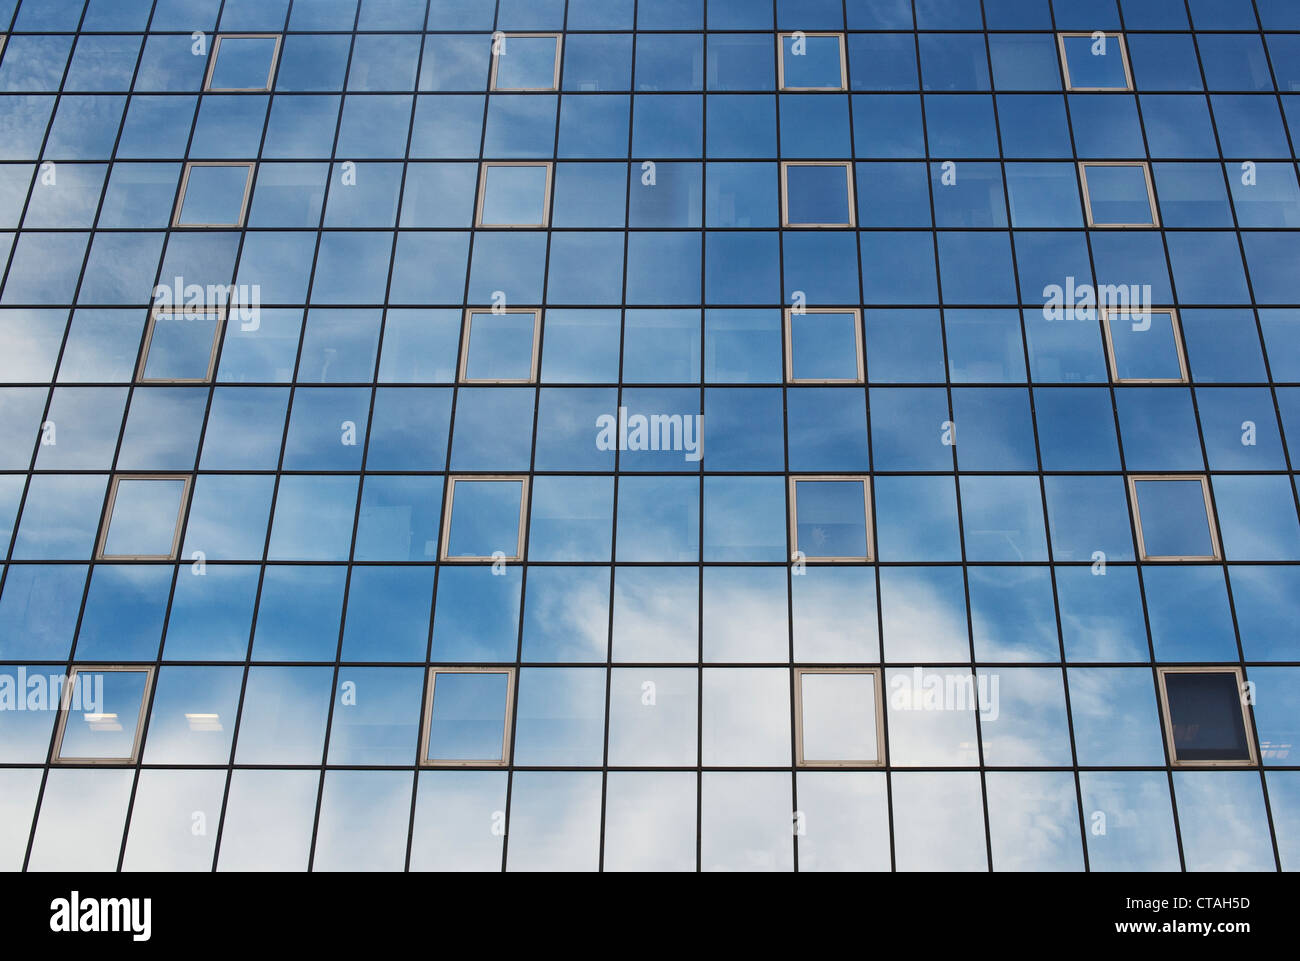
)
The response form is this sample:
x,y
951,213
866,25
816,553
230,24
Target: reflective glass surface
x,y
547,435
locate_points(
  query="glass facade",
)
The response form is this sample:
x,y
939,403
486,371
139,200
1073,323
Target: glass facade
x,y
649,435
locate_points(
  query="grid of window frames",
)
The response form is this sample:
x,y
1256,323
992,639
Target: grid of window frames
x,y
519,434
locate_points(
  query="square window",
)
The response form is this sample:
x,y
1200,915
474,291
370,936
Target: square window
x,y
1095,63
812,61
467,717
1206,721
214,195
526,61
1118,194
484,518
817,195
1174,518
838,718
101,715
500,347
143,518
514,195
243,62
180,346
823,345
1144,347
830,518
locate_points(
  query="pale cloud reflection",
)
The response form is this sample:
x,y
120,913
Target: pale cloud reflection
x,y
82,816
650,821
1034,821
554,821
459,821
656,614
939,822
268,821
174,821
745,614
1223,822
925,620
18,787
747,822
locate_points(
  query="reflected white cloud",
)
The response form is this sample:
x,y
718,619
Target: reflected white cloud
x,y
363,821
745,614
81,820
459,821
746,716
1034,821
845,824
18,788
656,614
174,821
747,822
554,821
1222,821
1128,821
939,822
650,821
268,822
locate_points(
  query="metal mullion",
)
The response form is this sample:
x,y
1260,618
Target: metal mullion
x,y
777,54
182,519
216,371
525,509
1216,525
526,495
67,330
1134,521
288,418
369,427
1286,453
1042,483
956,476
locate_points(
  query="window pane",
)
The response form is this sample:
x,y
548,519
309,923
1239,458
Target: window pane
x,y
839,717
484,518
103,718
1174,522
1205,711
468,717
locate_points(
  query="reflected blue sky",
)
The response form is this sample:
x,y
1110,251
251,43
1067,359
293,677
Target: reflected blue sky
x,y
828,253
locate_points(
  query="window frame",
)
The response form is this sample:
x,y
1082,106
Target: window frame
x,y
270,71
106,522
481,196
250,165
467,322
1107,313
851,195
449,498
1143,556
803,763
789,313
780,61
1091,222
158,310
868,516
1117,35
507,36
65,703
426,727
1167,720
